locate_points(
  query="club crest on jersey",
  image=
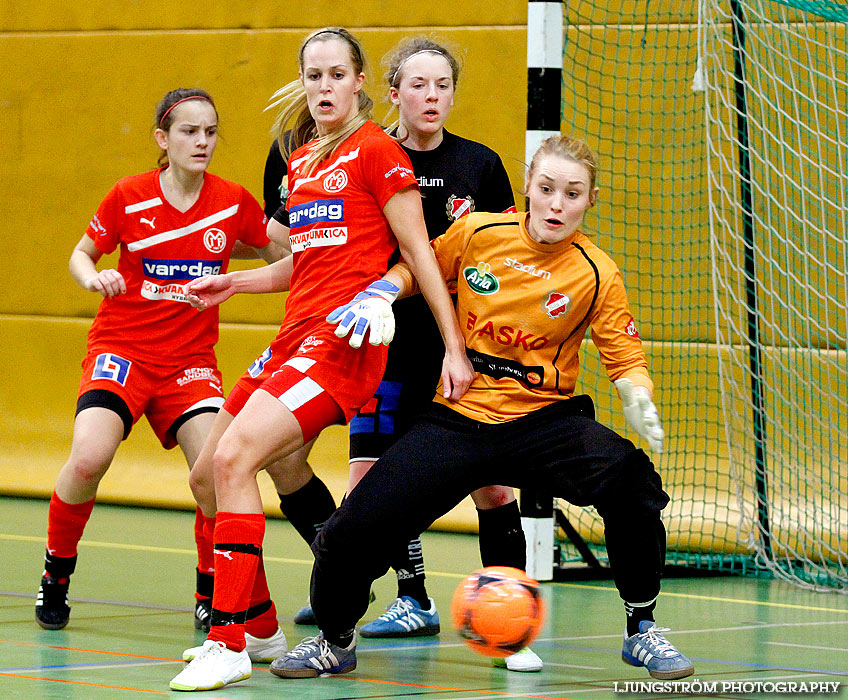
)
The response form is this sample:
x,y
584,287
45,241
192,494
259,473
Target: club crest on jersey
x,y
336,181
631,329
480,279
557,304
215,240
458,207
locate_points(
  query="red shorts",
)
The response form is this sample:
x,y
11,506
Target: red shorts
x,y
161,393
350,376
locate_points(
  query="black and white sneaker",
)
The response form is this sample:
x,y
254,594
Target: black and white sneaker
x,y
52,611
203,614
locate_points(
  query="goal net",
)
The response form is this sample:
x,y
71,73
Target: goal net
x,y
723,147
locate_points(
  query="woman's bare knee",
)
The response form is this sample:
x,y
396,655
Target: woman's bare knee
x,y
490,497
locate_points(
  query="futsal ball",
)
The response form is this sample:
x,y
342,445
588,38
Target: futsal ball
x,y
498,610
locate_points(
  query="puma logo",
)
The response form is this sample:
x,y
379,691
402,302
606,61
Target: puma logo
x,y
149,222
228,555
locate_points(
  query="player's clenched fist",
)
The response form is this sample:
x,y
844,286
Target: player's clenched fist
x,y
108,283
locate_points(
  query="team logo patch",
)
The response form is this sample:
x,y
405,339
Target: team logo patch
x,y
169,270
97,226
529,269
163,292
336,181
399,169
198,374
310,342
480,279
318,238
215,240
557,304
259,363
458,207
317,212
112,367
631,329
501,368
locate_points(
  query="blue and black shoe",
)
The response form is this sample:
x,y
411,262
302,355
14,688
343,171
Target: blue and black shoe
x,y
650,649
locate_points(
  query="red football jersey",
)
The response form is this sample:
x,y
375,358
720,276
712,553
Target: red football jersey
x,y
162,249
340,238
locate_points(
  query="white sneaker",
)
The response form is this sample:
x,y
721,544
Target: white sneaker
x,y
261,650
213,667
524,661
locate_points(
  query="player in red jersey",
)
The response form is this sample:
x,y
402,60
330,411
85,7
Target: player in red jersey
x,y
353,201
456,176
149,352
529,287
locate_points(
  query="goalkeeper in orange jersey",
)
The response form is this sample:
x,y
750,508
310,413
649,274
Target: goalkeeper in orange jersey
x,y
529,286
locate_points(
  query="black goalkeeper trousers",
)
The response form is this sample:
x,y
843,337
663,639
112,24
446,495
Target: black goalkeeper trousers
x,y
560,449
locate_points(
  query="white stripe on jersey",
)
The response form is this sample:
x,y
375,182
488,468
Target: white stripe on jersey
x,y
302,392
353,155
141,206
184,231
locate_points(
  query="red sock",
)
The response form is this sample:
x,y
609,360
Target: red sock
x,y
65,524
203,537
262,614
238,545
203,540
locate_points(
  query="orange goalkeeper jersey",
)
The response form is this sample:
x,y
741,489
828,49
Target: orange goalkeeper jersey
x,y
524,308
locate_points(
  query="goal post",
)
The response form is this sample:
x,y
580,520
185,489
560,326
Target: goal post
x,y
722,134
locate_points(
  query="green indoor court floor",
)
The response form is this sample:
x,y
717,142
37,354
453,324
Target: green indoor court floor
x,y
131,618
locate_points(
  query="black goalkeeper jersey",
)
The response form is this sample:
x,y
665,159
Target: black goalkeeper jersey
x,y
458,177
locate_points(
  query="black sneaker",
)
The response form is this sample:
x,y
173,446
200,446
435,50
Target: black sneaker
x,y
52,611
203,615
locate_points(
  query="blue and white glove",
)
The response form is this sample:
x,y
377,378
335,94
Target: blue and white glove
x,y
640,412
371,308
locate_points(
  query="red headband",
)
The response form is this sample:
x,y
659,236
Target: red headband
x,y
185,99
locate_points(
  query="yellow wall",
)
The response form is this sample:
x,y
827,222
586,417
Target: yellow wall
x,y
77,92
77,113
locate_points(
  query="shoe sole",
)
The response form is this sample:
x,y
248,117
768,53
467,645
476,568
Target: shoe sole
x,y
659,675
426,631
309,672
180,686
51,625
501,663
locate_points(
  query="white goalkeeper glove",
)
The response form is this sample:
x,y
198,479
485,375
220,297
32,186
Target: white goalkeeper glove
x,y
372,309
640,412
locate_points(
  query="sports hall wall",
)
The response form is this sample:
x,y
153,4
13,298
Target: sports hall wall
x,y
77,94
